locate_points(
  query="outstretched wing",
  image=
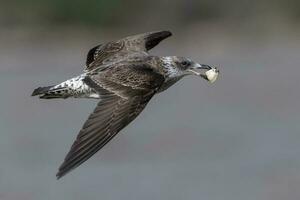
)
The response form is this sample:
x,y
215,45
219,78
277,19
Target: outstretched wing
x,y
118,49
122,100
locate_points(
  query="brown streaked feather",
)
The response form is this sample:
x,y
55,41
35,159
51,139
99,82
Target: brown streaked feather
x,y
109,117
116,50
154,38
127,79
100,53
90,57
125,90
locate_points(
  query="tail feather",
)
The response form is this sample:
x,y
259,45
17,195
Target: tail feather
x,y
74,87
41,90
51,92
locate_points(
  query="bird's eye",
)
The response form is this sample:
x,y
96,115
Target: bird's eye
x,y
185,63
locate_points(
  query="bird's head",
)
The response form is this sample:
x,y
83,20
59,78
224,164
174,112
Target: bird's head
x,y
181,66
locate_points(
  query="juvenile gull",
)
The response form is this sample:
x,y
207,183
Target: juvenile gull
x,y
124,77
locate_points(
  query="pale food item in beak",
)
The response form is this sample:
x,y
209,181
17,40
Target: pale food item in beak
x,y
212,75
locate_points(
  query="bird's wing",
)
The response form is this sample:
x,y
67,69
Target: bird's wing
x,y
112,113
116,50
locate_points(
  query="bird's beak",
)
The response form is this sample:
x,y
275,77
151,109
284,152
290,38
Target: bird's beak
x,y
205,71
197,68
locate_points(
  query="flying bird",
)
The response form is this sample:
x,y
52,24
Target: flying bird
x,y
123,76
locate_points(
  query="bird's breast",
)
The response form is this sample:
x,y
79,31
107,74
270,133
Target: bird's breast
x,y
168,83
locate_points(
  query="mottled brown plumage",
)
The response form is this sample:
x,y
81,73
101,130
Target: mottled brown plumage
x,y
124,77
125,89
121,49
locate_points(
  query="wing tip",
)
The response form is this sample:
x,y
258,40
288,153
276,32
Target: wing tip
x,y
58,176
154,38
62,172
167,33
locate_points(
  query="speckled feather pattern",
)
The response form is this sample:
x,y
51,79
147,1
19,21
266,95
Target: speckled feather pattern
x,y
124,77
75,87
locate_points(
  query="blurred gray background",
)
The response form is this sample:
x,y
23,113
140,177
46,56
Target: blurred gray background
x,y
236,139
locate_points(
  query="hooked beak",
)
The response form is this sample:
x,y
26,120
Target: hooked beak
x,y
197,68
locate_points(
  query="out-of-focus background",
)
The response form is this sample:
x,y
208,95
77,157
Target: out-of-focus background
x,y
236,139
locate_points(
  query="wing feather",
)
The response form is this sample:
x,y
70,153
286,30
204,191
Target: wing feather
x,y
116,50
113,112
97,131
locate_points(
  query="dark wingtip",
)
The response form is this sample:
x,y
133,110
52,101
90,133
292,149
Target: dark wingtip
x,y
169,33
163,33
59,175
154,38
62,171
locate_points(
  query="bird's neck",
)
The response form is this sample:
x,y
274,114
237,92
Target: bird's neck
x,y
169,69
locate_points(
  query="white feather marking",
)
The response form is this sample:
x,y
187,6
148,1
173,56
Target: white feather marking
x,y
77,88
171,70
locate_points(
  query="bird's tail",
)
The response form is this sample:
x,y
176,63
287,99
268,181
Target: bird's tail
x,y
51,92
74,87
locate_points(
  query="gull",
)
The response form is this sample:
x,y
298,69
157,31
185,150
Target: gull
x,y
123,76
